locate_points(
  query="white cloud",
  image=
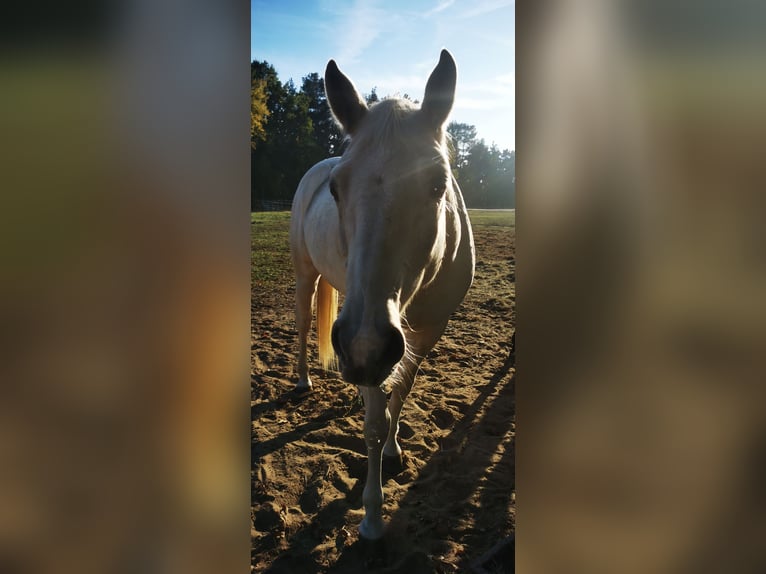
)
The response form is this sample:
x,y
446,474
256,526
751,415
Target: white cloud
x,y
508,79
356,27
502,103
443,5
485,6
501,89
475,104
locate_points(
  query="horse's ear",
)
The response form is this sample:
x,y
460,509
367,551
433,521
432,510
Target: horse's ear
x,y
440,91
346,104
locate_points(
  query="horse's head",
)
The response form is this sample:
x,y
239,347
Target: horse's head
x,y
389,188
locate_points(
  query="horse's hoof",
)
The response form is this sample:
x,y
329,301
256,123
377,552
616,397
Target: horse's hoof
x,y
302,387
371,530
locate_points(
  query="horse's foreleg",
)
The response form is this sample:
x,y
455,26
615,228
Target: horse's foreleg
x,y
376,426
304,294
399,393
419,344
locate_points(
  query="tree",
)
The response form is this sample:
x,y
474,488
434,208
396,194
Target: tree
x,y
326,131
259,111
474,176
272,86
488,177
289,147
372,97
507,177
462,137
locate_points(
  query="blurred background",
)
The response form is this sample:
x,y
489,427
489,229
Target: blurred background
x,y
124,287
641,274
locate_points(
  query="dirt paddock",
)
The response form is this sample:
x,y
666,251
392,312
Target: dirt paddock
x,y
452,507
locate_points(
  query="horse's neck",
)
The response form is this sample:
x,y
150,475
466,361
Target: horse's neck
x,y
431,306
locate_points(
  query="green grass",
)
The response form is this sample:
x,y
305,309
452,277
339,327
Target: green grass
x,y
488,218
270,262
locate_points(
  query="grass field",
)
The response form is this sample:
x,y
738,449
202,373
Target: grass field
x,y
492,217
269,248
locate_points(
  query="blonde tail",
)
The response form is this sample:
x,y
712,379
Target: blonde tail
x,y
327,311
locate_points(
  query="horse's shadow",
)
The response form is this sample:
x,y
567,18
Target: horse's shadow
x,y
495,402
292,397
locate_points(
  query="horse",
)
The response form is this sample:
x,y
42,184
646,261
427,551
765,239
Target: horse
x,y
386,225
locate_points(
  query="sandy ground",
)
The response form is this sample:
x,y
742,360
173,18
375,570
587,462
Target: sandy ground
x,y
452,508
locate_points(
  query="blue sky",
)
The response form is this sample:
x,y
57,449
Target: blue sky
x,y
394,44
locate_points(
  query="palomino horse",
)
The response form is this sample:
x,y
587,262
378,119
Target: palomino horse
x,y
385,224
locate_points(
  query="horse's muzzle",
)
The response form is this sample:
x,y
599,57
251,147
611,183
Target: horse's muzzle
x,y
367,357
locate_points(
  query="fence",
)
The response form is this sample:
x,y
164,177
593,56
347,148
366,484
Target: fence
x,y
272,205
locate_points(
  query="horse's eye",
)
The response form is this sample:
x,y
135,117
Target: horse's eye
x,y
438,189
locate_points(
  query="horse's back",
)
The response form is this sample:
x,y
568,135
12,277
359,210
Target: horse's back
x,y
314,226
310,184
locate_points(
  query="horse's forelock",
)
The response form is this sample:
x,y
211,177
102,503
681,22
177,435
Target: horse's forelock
x,y
385,117
386,122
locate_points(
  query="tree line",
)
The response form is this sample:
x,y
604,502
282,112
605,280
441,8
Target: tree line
x,y
292,128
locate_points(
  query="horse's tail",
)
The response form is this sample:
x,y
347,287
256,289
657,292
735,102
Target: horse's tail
x,y
327,311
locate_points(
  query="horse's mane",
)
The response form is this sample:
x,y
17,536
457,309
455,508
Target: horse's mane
x,y
386,116
386,121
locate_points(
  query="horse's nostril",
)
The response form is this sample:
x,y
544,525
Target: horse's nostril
x,y
367,357
394,349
